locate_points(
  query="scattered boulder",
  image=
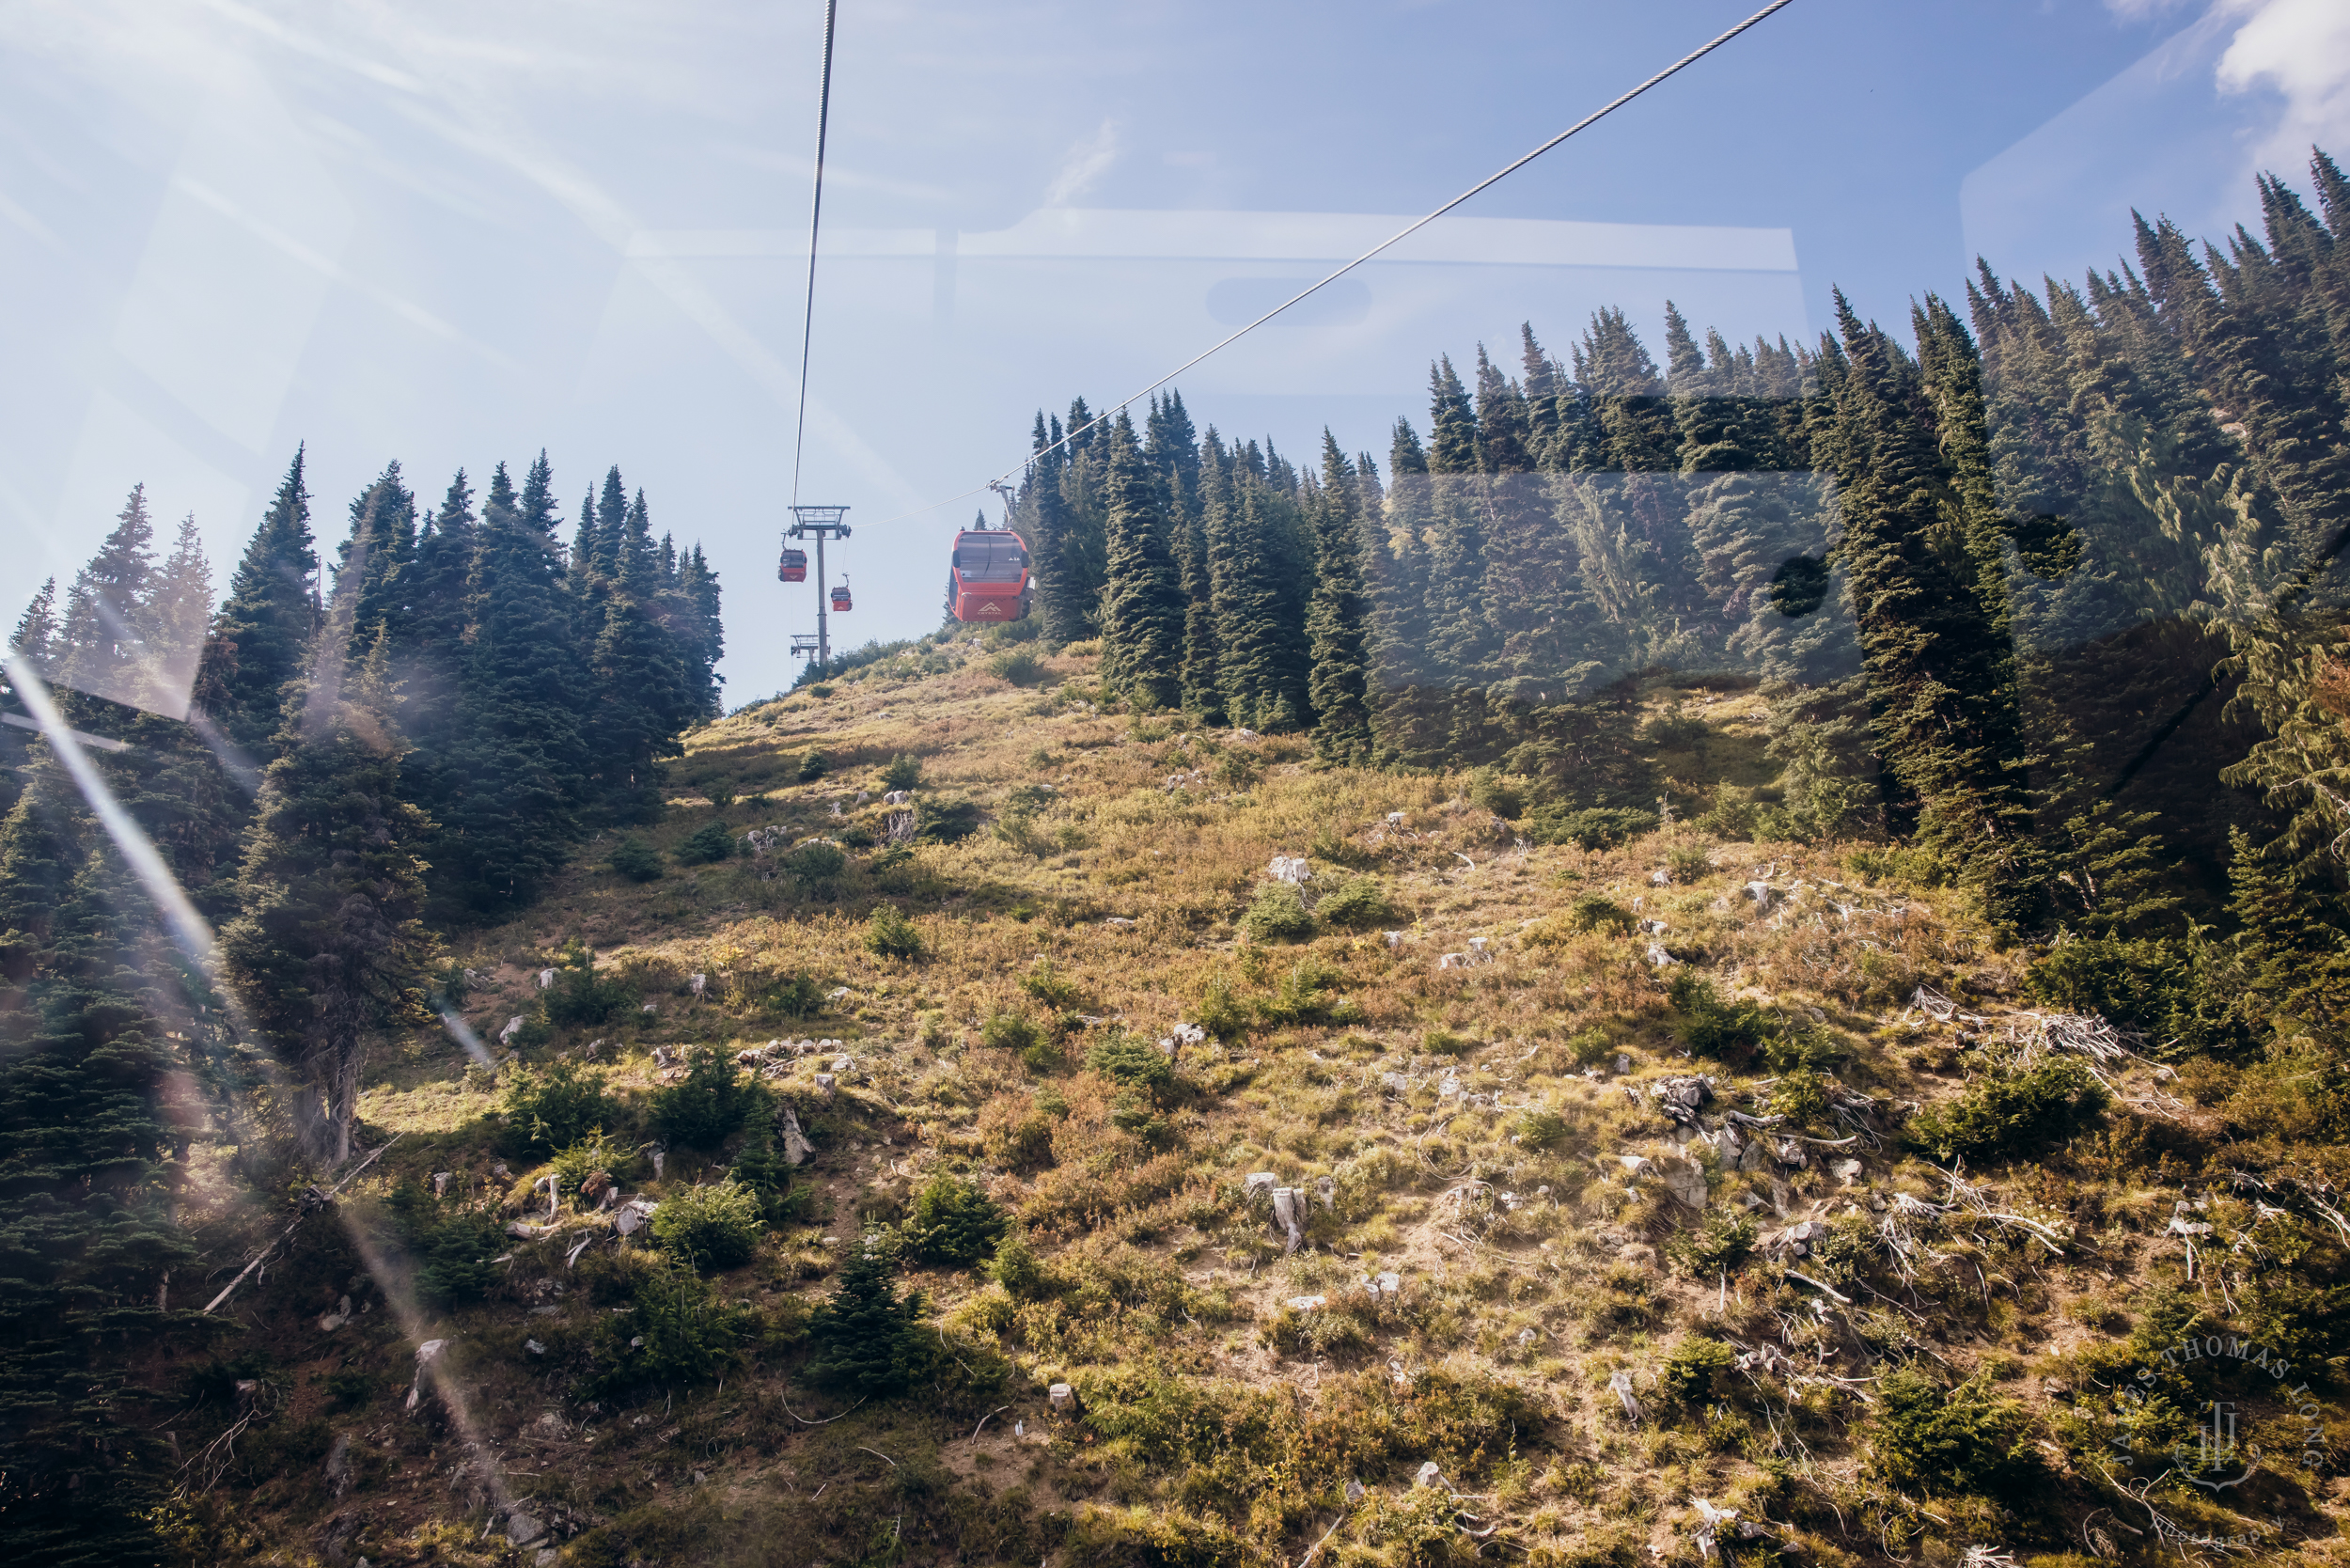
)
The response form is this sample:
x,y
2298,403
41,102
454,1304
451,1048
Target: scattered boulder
x,y
335,1319
1620,1384
1290,868
1063,1399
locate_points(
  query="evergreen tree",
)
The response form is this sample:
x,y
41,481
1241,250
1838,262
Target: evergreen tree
x,y
642,693
516,762
1406,689
866,1337
374,559
330,943
1142,610
88,1240
36,633
1338,625
265,625
179,616
1261,654
1943,722
101,645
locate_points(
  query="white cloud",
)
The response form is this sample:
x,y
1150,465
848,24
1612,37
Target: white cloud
x,y
2300,51
1084,166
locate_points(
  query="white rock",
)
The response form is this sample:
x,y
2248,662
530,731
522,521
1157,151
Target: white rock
x,y
1395,939
633,1215
1290,868
546,980
335,1319
1259,1180
1307,1303
1432,1474
698,984
1621,1386
513,1027
825,1083
1354,1491
1061,1397
1660,878
1659,957
534,1347
1763,896
1846,1171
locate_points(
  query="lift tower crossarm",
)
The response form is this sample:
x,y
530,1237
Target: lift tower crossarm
x,y
819,524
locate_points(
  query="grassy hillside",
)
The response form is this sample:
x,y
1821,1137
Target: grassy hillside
x,y
1043,1054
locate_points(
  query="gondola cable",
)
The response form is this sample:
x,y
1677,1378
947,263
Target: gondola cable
x,y
815,223
1585,123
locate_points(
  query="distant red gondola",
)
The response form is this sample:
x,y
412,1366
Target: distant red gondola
x,y
793,567
988,577
840,598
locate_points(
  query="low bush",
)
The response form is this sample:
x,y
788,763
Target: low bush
x,y
575,1162
710,1226
1277,914
1016,1267
2173,990
705,1107
1129,1059
1597,911
953,1221
814,764
634,858
675,1330
816,863
1719,1243
1490,791
1697,1371
904,772
1593,827
1047,984
761,1172
1689,863
451,1247
1965,1439
1019,1034
1736,1032
891,934
580,995
2012,1115
553,1107
948,820
711,843
1020,665
1357,903
1308,995
1541,1128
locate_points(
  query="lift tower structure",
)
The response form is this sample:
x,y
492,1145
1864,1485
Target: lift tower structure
x,y
819,524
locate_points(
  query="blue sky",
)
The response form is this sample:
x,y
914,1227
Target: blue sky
x,y
455,234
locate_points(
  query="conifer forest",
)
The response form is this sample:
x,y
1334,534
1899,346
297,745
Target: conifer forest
x,y
1734,952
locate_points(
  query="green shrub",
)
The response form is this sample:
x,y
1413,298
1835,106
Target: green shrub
x,y
452,1248
1307,996
2012,1115
814,764
1277,914
675,1330
1720,1242
1443,1043
711,841
1047,984
553,1107
1011,1034
904,772
867,1339
793,994
703,1109
1689,863
953,1221
1801,1097
1697,1371
1736,1032
1357,903
635,859
816,863
948,820
1596,828
710,1226
1965,1439
1220,1012
758,1170
580,995
891,934
1488,790
1597,911
1016,1267
2173,990
1591,1047
1019,666
1129,1059
719,793
574,1163
1540,1128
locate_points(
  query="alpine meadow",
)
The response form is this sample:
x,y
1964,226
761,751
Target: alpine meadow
x,y
1734,951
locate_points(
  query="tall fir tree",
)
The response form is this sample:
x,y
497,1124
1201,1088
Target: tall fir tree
x,y
1142,609
179,618
516,760
331,943
263,630
103,643
1338,624
89,1240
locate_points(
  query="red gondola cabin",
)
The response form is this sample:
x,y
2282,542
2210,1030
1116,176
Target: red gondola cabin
x,y
988,579
793,568
840,598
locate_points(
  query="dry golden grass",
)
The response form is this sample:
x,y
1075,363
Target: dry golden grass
x,y
1114,895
